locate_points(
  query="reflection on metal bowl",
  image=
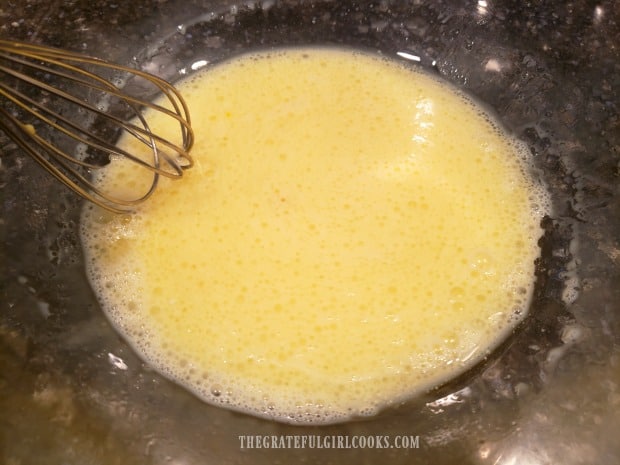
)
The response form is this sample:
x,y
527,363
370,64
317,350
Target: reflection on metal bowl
x,y
72,391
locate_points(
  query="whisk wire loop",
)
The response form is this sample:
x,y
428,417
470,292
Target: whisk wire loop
x,y
53,90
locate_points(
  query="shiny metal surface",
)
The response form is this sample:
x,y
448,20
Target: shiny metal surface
x,y
52,101
71,391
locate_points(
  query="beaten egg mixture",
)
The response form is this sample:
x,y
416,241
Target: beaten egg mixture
x,y
353,233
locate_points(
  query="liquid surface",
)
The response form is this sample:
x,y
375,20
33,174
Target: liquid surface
x,y
353,232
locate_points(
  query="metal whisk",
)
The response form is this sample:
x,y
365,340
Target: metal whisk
x,y
67,111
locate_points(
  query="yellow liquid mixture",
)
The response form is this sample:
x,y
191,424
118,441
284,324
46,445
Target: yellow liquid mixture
x,y
354,232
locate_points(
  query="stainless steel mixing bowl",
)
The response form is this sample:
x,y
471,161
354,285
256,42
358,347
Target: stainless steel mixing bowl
x,y
73,392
